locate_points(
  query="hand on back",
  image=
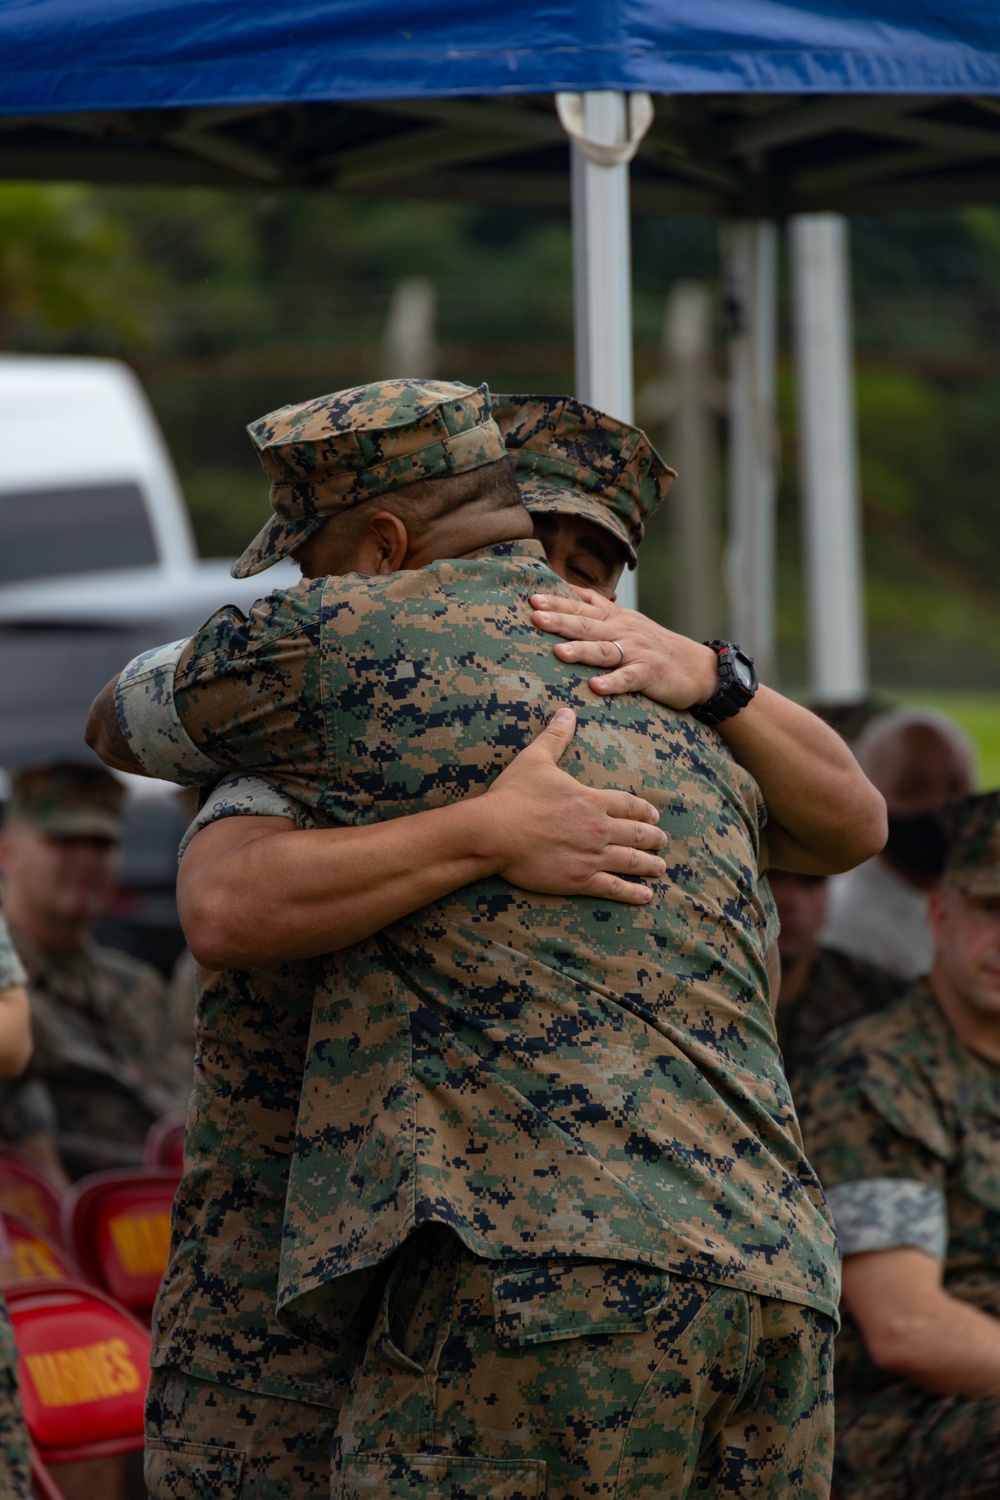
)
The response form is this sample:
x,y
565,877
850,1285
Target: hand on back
x,y
562,838
667,667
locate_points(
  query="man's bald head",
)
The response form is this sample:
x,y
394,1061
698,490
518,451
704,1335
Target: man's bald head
x,y
918,759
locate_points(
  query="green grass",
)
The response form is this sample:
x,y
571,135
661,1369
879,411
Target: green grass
x,y
979,716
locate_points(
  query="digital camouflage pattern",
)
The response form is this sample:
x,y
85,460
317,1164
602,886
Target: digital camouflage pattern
x,y
884,1213
208,1442
215,1313
25,1104
972,832
571,459
68,800
551,1078
15,1461
583,1380
327,455
11,969
103,1045
896,1097
839,989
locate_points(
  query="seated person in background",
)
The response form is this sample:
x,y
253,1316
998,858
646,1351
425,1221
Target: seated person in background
x,y
15,1052
901,1120
918,760
99,1016
820,989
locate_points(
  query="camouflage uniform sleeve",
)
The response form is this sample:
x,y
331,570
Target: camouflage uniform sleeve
x,y
772,922
874,1134
144,701
241,797
11,972
249,692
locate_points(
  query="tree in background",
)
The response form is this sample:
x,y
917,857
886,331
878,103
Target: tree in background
x,y
66,268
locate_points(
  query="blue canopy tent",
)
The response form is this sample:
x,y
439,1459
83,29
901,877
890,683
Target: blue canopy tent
x,y
764,110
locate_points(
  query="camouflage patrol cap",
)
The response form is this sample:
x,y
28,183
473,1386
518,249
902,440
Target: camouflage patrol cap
x,y
69,799
327,455
571,459
972,832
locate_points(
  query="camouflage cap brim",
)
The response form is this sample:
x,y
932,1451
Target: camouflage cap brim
x,y
975,882
78,823
553,499
275,540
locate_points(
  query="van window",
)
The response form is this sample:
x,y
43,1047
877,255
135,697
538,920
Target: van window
x,y
73,529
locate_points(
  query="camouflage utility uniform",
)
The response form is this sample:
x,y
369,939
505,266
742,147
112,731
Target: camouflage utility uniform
x,y
839,989
590,1097
903,1126
101,1028
236,1399
15,1467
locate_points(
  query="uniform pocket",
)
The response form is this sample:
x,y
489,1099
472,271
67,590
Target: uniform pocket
x,y
192,1471
401,1476
542,1301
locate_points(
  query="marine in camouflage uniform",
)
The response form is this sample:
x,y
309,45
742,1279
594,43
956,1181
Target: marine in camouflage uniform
x,y
557,1085
226,1374
15,1464
902,1122
839,989
99,1017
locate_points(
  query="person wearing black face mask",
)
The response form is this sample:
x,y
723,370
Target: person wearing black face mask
x,y
918,760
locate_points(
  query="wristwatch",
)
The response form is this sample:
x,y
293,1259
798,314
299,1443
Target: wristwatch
x,y
738,681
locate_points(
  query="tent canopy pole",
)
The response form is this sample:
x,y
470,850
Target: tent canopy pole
x,y
819,250
751,297
605,128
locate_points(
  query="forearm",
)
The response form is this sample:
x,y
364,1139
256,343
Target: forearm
x,y
825,814
15,1032
288,894
943,1344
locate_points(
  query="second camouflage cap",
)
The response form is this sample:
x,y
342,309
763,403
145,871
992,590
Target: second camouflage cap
x,y
328,455
972,834
69,800
572,459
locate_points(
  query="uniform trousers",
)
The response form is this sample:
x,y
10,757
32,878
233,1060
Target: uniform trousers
x,y
920,1448
582,1380
209,1441
15,1465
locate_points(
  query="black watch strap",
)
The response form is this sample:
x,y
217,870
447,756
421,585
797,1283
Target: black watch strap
x,y
738,682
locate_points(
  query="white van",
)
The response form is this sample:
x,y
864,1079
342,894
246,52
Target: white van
x,y
97,556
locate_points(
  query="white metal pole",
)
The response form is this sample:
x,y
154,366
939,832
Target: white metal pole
x,y
751,274
698,606
604,130
821,301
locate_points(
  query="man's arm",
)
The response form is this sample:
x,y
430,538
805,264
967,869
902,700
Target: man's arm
x,y
824,814
915,1329
257,890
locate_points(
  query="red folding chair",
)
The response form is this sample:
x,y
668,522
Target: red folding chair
x,y
117,1224
84,1368
33,1256
165,1142
27,1192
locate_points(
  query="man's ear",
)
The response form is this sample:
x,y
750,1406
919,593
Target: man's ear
x,y
385,543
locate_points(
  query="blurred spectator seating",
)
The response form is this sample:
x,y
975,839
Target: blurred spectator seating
x,y
117,1225
165,1142
84,1368
27,1192
32,1255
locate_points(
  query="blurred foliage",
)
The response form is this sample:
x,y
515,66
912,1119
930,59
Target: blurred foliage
x,y
230,304
67,268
